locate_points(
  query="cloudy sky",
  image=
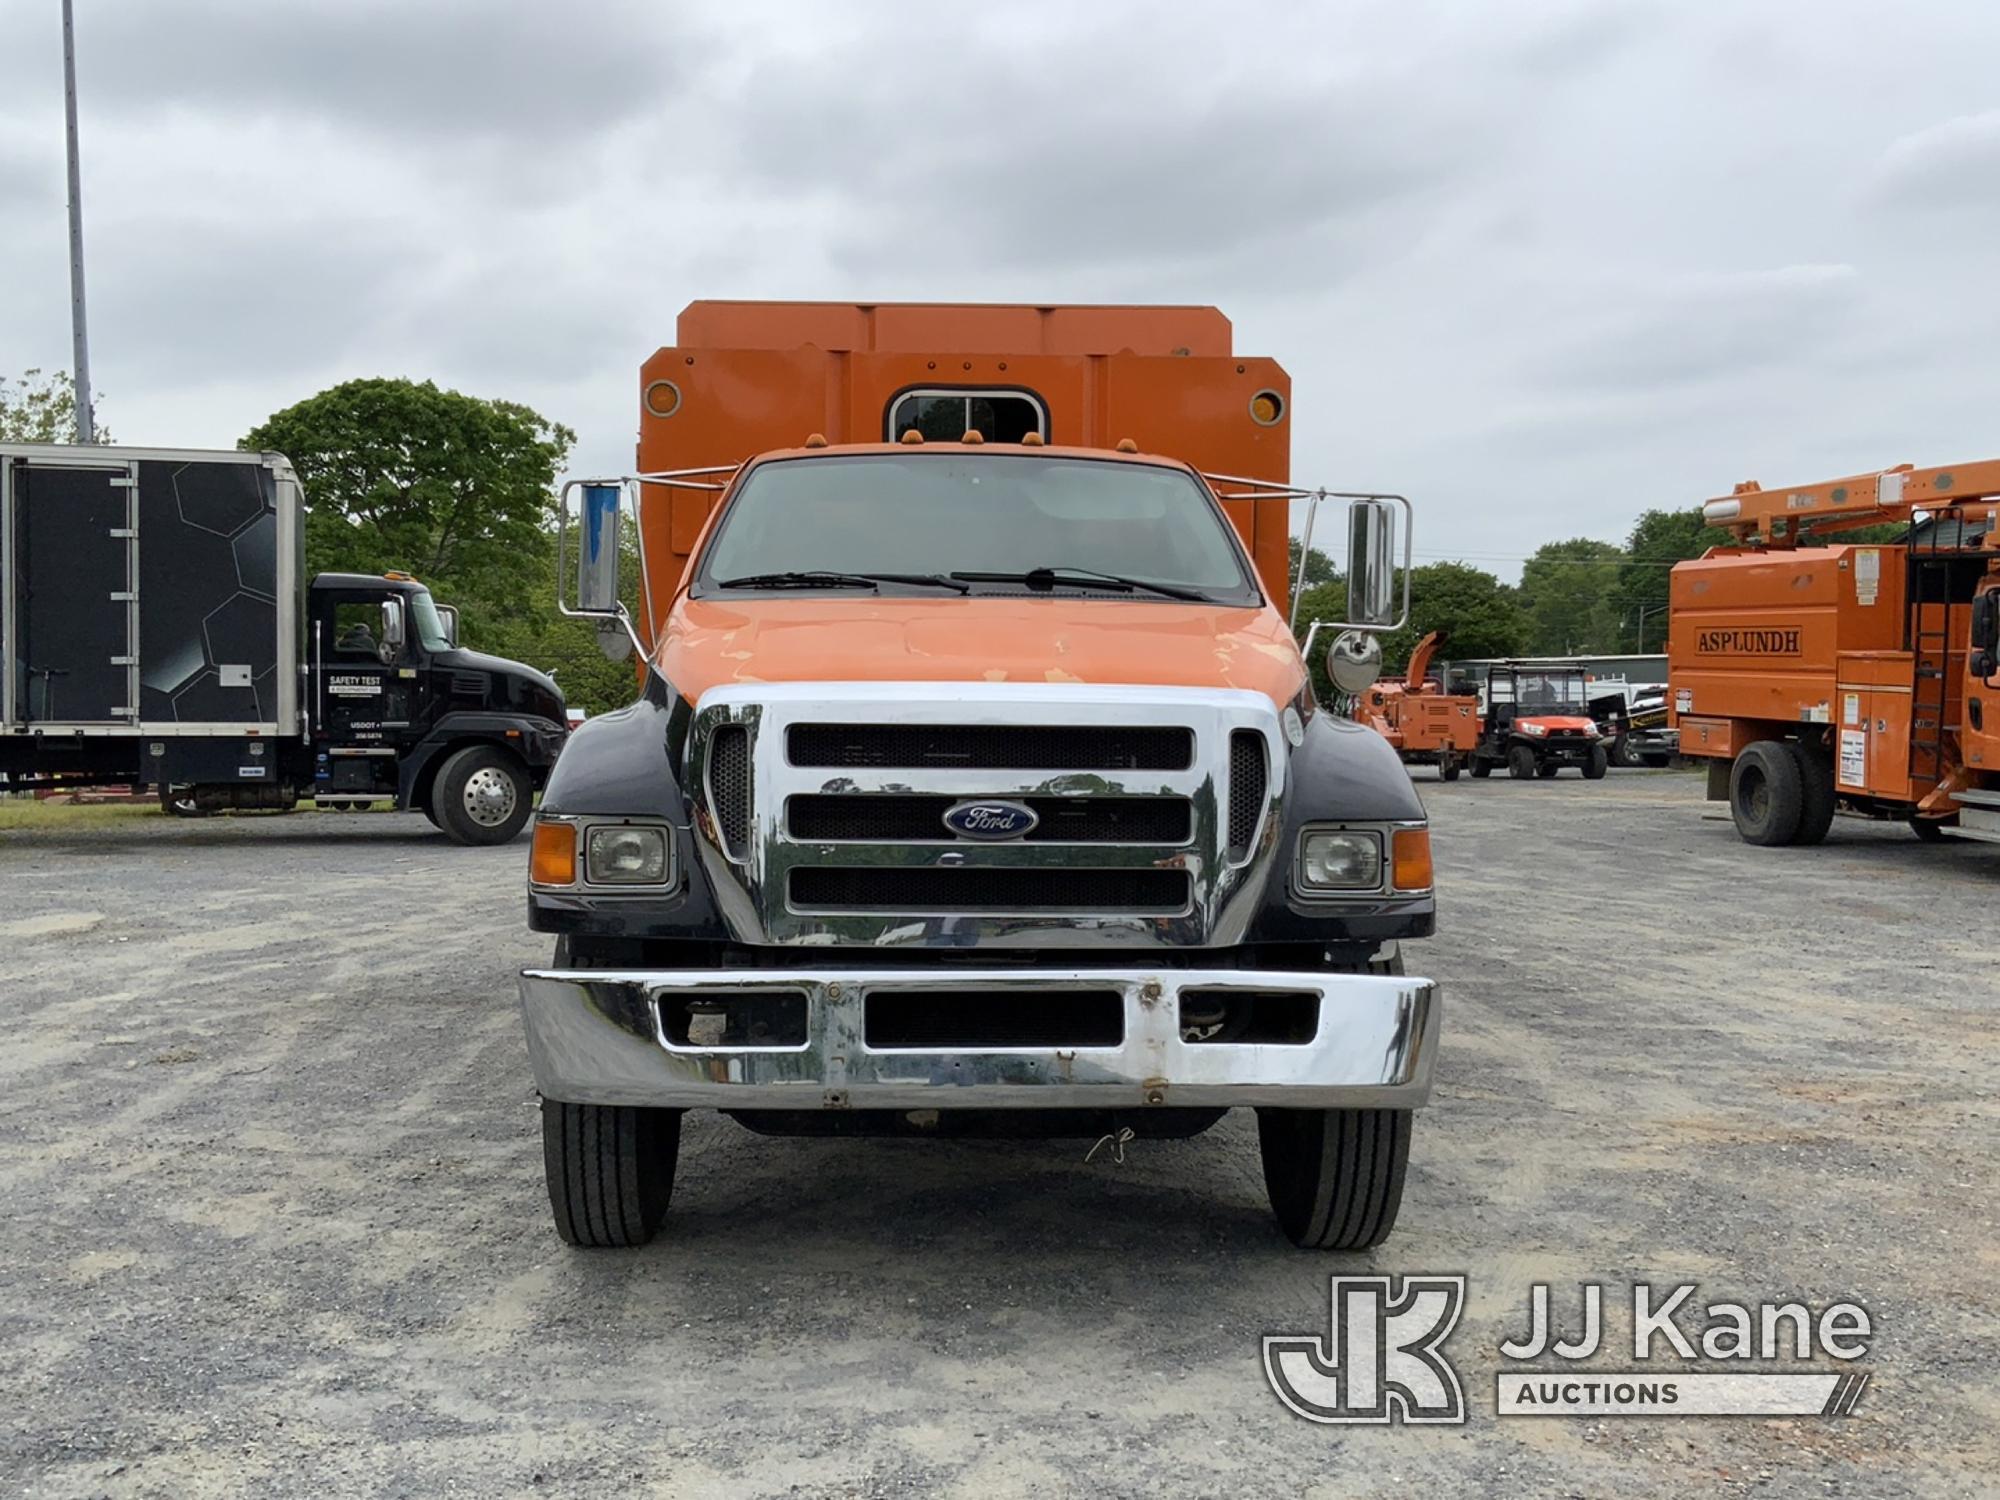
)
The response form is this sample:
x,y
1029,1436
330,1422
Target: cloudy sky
x,y
1541,264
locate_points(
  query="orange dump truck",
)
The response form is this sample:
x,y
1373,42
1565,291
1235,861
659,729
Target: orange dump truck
x,y
1427,726
1817,676
975,783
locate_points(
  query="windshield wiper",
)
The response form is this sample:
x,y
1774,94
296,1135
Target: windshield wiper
x,y
1082,578
817,579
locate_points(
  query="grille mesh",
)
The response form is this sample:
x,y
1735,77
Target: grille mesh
x,y
876,888
994,747
1064,820
1246,790
729,787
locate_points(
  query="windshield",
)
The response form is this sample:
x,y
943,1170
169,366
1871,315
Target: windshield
x,y
918,515
1550,690
425,621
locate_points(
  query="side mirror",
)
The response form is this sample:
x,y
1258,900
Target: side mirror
x,y
392,631
1371,562
597,551
448,617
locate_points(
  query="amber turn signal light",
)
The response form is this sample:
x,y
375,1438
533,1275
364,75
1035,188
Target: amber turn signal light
x,y
554,859
1413,859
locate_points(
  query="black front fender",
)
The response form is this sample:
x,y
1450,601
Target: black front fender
x,y
627,764
1342,772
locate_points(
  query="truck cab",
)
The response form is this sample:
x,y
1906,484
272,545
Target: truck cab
x,y
397,698
975,784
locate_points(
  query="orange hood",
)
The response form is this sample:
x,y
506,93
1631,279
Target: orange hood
x,y
710,642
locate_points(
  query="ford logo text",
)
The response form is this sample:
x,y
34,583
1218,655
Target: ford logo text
x,y
990,820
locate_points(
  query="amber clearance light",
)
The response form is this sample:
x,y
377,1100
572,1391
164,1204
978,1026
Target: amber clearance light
x,y
1412,863
553,861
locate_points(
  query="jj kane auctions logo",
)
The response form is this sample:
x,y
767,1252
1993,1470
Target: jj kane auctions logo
x,y
1382,1359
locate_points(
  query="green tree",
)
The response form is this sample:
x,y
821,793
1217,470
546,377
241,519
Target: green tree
x,y
1470,603
1567,593
41,408
452,488
460,492
1659,539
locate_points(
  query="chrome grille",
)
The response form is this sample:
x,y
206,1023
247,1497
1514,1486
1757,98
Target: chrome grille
x,y
920,820
839,838
994,747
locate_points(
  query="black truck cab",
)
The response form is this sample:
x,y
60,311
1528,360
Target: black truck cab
x,y
400,709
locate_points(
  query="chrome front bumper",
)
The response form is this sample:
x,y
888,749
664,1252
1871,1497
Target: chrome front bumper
x,y
599,1037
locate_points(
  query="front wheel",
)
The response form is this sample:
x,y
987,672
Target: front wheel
x,y
1521,762
610,1170
1595,767
1335,1176
482,796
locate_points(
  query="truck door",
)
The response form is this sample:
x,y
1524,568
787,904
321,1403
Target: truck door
x,y
72,624
368,688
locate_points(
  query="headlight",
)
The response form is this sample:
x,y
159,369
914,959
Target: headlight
x,y
1340,860
623,855
1533,728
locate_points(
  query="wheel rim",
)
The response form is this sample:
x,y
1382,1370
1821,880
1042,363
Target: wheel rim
x,y
489,797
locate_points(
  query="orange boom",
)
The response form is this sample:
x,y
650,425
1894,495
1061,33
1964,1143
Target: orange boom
x,y
1816,675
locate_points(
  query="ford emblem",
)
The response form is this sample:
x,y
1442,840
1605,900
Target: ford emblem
x,y
990,820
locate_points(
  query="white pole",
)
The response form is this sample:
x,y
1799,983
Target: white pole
x,y
86,425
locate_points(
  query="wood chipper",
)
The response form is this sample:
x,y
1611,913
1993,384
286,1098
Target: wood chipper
x,y
1817,676
1427,725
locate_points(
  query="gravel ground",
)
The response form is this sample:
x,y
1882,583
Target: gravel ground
x,y
275,1221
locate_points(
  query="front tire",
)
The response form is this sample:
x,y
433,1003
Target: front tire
x,y
1335,1176
1521,762
610,1170
1595,767
482,795
1766,794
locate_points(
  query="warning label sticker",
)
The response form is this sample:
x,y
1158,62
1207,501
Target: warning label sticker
x,y
1867,575
354,686
1854,757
